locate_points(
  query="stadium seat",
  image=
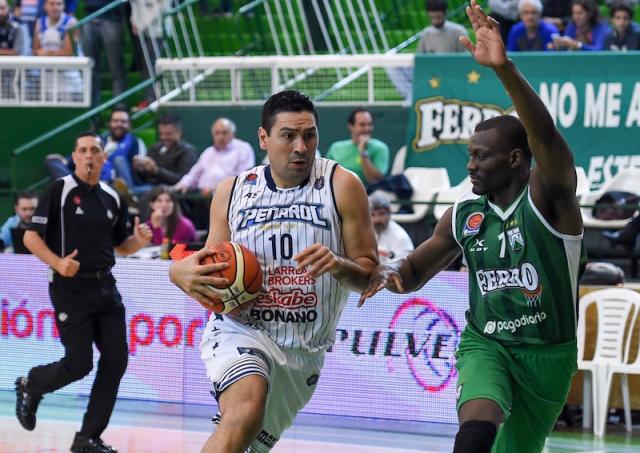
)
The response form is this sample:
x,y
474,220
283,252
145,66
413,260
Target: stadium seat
x,y
614,309
626,180
449,196
426,182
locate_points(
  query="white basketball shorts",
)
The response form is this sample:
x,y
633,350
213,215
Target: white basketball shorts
x,y
232,350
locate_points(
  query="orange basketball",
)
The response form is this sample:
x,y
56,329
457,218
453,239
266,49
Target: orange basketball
x,y
244,274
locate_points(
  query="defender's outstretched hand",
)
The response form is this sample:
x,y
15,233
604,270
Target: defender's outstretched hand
x,y
489,49
382,277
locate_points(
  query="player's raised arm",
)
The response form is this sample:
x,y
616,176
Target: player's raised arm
x,y
553,180
415,270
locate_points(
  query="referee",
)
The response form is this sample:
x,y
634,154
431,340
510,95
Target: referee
x,y
78,224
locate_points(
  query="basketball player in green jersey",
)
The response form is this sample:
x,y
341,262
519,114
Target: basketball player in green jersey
x,y
520,233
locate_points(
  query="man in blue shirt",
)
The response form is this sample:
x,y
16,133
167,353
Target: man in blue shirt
x,y
24,207
119,144
531,33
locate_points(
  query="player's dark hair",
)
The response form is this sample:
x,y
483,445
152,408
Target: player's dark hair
x,y
87,134
352,116
620,5
285,101
511,133
591,7
25,194
436,6
174,216
170,120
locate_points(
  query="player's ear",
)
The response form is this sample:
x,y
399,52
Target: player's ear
x,y
263,137
516,157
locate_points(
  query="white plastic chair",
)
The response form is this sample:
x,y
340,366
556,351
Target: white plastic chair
x,y
426,182
396,169
582,185
626,180
450,196
626,367
614,306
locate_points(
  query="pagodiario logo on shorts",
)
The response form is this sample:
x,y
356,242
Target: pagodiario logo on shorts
x,y
513,325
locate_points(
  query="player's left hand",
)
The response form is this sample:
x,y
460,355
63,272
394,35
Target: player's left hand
x,y
489,49
141,231
319,259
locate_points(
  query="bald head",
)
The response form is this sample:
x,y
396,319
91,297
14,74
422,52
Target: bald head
x,y
223,131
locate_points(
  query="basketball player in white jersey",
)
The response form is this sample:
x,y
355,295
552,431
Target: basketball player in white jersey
x,y
307,221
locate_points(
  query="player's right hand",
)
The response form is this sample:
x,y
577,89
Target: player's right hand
x,y
67,266
195,279
380,278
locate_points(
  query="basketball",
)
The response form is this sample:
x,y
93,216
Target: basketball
x,y
244,274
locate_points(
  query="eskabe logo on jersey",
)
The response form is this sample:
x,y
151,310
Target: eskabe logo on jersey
x,y
319,183
251,179
513,325
310,213
431,343
449,121
472,224
516,241
525,277
41,220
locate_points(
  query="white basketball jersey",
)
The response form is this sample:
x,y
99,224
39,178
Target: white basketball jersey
x,y
296,311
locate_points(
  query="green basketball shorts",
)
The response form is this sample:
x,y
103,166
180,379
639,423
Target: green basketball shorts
x,y
529,383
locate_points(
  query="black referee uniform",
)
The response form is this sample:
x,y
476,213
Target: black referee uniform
x,y
92,219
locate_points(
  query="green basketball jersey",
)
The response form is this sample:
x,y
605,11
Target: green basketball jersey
x,y
523,274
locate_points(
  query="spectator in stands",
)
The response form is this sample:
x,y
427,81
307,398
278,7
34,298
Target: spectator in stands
x,y
13,37
168,160
50,37
506,13
442,35
627,236
26,11
393,241
585,31
364,155
120,145
623,35
228,156
70,7
531,33
557,12
105,32
166,221
148,25
24,206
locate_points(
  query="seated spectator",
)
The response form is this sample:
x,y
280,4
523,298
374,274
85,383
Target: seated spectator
x,y
26,11
120,145
50,38
557,13
228,156
166,221
531,33
393,241
442,35
585,31
167,161
13,37
13,229
506,13
623,36
367,157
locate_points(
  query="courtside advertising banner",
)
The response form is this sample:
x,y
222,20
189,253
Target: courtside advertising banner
x,y
593,97
392,359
